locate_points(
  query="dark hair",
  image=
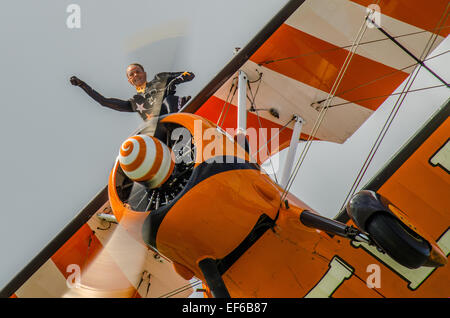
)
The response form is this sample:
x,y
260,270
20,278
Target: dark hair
x,y
137,64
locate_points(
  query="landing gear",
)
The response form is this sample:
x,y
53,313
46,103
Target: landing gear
x,y
398,241
377,225
392,233
333,227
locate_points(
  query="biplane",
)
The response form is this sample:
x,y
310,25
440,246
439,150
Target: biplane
x,y
189,207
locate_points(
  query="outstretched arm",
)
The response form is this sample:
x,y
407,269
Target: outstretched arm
x,y
178,77
184,77
113,103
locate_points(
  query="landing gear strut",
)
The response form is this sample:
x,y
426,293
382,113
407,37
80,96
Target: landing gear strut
x,y
334,227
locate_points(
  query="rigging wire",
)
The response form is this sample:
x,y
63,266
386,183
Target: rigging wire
x,y
268,153
252,101
409,53
377,79
226,102
393,113
140,282
386,95
180,289
346,46
347,91
279,132
323,111
343,92
185,289
228,108
87,250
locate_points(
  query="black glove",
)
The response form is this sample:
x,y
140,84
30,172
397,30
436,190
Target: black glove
x,y
76,81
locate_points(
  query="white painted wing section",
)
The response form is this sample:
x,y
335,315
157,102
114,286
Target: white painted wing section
x,y
290,97
338,22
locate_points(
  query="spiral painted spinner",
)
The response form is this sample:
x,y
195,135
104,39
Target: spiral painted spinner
x,y
145,158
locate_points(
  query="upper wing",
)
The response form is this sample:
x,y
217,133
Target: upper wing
x,y
294,70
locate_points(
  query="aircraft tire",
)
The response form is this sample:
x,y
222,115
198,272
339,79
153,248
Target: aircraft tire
x,y
398,241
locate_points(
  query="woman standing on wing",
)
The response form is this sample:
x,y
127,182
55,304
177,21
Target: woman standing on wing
x,y
152,99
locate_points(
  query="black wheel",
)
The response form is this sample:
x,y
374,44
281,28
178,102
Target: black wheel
x,y
398,241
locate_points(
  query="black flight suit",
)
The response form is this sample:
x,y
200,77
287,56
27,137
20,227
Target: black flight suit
x,y
157,99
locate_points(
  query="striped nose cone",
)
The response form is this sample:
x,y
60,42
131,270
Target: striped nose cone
x,y
145,158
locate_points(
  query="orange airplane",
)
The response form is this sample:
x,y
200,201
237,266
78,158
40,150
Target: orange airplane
x,y
220,218
190,194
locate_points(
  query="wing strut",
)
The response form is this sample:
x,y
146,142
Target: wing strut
x,y
242,112
292,150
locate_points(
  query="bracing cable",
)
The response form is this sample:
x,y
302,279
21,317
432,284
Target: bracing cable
x,y
180,289
386,95
347,46
323,111
224,104
377,79
274,136
393,112
252,101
